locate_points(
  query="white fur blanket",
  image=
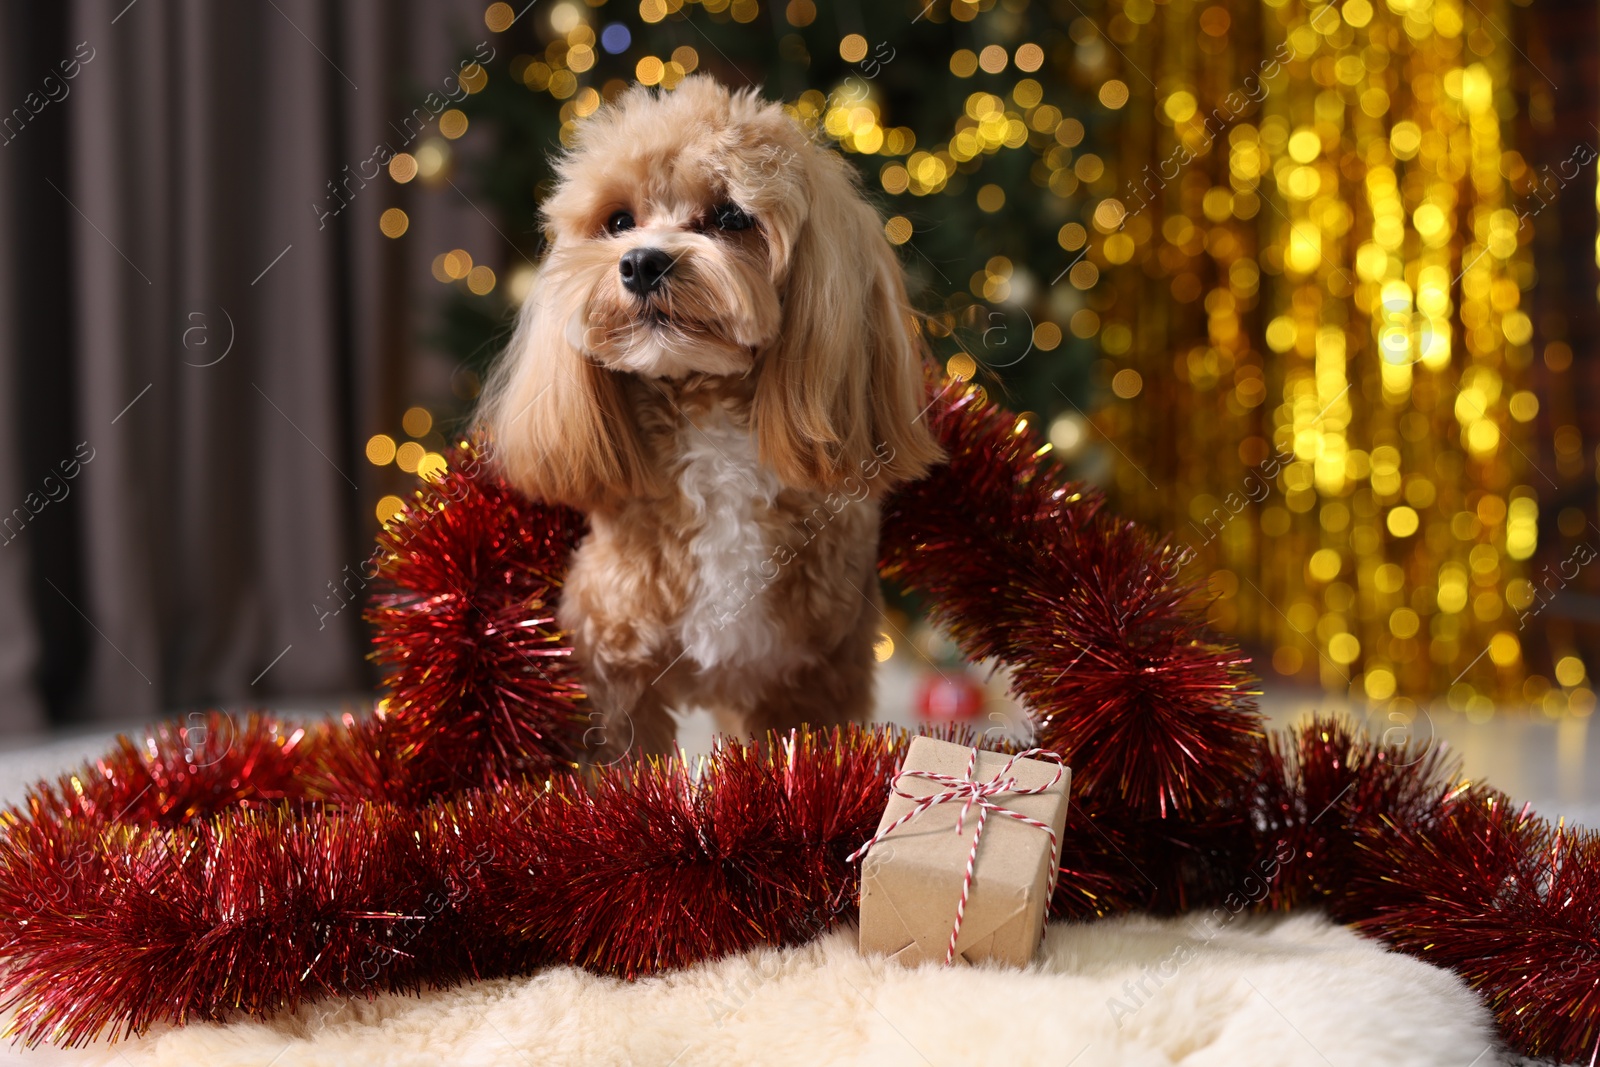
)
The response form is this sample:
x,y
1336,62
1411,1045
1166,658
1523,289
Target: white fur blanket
x,y
1131,992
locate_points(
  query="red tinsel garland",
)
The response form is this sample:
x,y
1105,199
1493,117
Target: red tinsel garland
x,y
1023,566
230,867
746,848
1508,901
481,684
111,925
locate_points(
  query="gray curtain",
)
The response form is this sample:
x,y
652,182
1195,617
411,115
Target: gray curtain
x,y
195,334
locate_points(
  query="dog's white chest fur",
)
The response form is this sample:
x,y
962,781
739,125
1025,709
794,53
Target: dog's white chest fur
x,y
727,619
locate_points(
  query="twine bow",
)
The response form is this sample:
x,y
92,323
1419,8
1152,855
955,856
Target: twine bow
x,y
970,793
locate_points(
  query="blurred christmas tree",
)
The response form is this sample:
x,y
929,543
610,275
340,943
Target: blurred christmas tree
x,y
980,105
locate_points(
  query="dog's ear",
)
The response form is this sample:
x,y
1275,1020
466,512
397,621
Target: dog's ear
x,y
841,393
559,427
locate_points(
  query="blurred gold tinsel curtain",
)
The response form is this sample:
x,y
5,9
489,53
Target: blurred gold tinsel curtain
x,y
1319,227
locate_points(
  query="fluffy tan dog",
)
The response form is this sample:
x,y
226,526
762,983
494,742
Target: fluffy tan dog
x,y
719,365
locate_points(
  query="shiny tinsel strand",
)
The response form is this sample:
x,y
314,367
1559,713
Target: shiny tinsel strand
x,y
178,771
1507,900
481,684
253,911
745,847
1325,787
631,869
1109,651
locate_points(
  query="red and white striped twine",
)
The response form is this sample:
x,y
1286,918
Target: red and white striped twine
x,y
972,793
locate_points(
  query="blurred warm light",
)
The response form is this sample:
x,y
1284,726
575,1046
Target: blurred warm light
x,y
498,17
393,222
1324,565
1504,649
1570,671
456,264
520,283
1067,433
432,466
1379,683
1404,623
1108,215
403,167
1402,521
1344,648
417,421
388,507
564,17
380,449
432,155
408,455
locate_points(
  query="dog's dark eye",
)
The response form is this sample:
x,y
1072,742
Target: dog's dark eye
x,y
731,217
619,222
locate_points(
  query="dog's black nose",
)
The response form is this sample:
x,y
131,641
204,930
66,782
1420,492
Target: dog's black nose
x,y
644,269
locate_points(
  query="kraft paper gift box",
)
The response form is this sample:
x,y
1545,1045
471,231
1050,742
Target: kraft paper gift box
x,y
911,879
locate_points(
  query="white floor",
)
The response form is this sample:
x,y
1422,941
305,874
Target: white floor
x,y
1554,764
